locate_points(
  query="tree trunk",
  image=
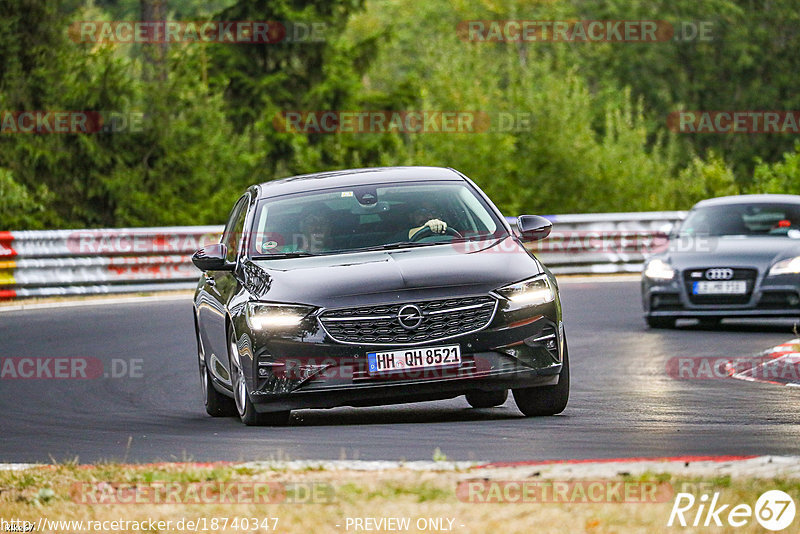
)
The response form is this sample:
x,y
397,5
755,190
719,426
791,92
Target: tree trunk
x,y
155,53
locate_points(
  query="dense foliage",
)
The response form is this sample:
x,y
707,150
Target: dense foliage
x,y
594,138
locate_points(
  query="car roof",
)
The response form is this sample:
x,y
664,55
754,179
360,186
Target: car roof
x,y
354,178
749,199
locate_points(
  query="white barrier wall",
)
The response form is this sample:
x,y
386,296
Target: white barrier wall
x,y
604,242
132,260
126,260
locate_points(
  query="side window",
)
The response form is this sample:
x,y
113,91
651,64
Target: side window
x,y
232,236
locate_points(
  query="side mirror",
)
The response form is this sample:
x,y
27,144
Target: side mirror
x,y
212,258
533,227
672,230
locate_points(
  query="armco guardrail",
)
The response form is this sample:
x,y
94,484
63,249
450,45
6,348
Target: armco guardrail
x,y
132,260
606,242
75,262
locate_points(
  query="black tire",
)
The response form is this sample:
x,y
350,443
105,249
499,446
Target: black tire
x,y
217,404
547,400
243,405
660,322
487,399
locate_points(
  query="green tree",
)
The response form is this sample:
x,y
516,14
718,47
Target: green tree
x,y
779,177
703,179
747,61
19,207
577,151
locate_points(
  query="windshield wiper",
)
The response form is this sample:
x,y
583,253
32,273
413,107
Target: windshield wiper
x,y
399,244
387,246
282,255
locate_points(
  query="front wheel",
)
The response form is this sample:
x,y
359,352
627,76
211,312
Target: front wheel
x,y
244,406
217,404
547,400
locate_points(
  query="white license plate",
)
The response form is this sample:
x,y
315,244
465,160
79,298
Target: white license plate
x,y
413,358
728,287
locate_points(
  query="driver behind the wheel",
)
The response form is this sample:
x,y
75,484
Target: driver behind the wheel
x,y
425,216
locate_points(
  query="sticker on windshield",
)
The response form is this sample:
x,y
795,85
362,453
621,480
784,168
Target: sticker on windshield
x,y
270,245
347,194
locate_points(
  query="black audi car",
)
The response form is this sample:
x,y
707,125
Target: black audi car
x,y
731,257
376,286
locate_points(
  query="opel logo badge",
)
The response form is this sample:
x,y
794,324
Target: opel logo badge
x,y
719,274
409,317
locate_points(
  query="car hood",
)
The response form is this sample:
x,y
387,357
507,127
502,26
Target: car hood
x,y
366,278
731,251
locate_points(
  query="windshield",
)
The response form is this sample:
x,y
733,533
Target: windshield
x,y
370,217
743,219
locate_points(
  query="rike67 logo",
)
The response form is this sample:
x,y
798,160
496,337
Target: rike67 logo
x,y
774,510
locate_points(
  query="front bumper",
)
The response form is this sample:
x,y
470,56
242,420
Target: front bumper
x,y
401,392
520,349
770,297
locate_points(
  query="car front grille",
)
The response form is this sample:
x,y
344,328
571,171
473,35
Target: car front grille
x,y
380,325
748,275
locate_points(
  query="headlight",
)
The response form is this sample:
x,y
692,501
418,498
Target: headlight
x,y
534,291
659,270
790,266
262,316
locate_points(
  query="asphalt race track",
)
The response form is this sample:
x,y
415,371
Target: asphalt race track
x,y
623,403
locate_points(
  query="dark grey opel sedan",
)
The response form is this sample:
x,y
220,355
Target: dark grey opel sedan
x,y
736,256
376,286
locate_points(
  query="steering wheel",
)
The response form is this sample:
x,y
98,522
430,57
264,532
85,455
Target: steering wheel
x,y
426,231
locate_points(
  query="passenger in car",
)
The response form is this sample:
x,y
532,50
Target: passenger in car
x,y
315,225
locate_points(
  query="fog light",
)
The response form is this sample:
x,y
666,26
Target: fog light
x,y
546,338
266,366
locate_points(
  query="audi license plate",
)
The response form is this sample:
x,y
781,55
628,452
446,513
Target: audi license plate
x,y
728,287
414,358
